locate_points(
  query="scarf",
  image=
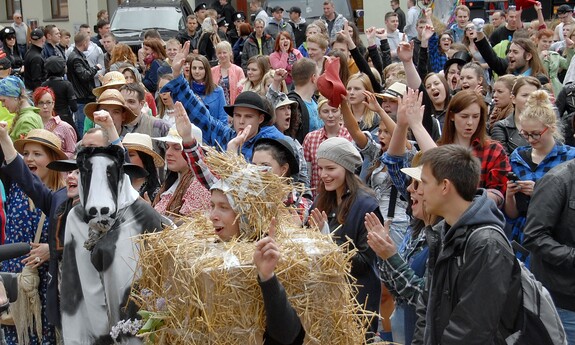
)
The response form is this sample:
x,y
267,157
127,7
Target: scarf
x,y
198,88
149,59
499,114
176,201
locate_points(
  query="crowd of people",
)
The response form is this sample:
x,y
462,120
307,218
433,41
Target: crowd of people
x,y
404,144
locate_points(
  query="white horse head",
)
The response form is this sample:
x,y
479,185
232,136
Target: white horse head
x,y
101,179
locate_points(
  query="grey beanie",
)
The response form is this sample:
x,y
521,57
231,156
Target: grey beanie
x,y
340,151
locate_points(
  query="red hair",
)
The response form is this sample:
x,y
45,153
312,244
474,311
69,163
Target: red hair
x,y
286,35
40,91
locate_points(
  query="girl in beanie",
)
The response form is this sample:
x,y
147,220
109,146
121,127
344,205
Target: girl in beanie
x,y
340,208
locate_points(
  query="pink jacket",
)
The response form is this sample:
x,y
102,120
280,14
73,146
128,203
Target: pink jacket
x,y
280,60
235,75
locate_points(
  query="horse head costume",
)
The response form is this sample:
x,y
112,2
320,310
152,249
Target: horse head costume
x,y
99,263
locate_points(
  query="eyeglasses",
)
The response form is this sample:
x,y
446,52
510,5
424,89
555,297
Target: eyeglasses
x,y
469,28
534,136
446,38
17,17
45,104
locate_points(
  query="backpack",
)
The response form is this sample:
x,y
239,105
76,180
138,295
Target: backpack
x,y
538,321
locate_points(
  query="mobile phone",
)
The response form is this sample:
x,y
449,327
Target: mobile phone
x,y
511,176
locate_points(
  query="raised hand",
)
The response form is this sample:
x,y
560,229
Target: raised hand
x,y
427,32
378,237
371,102
267,254
370,34
180,59
414,110
4,129
183,124
103,119
236,143
537,6
319,219
405,51
381,33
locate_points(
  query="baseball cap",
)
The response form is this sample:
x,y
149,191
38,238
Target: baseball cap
x,y
37,34
277,8
564,9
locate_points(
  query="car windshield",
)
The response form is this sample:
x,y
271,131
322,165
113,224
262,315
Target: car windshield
x,y
138,18
310,8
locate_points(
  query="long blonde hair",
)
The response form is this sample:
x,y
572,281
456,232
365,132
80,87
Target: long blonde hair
x,y
368,116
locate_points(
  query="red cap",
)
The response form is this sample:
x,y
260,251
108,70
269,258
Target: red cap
x,y
329,84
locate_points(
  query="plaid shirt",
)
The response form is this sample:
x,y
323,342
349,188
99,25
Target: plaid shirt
x,y
394,165
194,155
437,59
215,133
397,274
311,143
65,132
559,154
494,164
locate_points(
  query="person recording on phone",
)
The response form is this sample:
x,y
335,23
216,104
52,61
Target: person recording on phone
x,y
538,124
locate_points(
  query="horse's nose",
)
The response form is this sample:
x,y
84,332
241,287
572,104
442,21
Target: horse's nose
x,y
104,210
93,211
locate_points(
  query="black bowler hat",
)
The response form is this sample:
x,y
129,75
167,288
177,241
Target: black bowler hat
x,y
285,146
249,99
460,58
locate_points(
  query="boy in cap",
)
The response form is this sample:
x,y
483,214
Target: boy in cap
x,y
298,25
233,33
34,73
277,24
248,110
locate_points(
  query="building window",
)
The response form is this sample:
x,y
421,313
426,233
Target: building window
x,y
59,9
12,6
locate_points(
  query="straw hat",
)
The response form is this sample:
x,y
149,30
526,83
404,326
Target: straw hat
x,y
174,137
44,138
110,80
142,143
110,97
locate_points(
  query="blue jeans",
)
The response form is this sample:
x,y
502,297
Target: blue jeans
x,y
398,323
568,319
79,120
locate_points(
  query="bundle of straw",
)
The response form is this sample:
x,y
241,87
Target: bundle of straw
x,y
209,289
212,297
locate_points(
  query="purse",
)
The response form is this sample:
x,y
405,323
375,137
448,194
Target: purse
x,y
20,313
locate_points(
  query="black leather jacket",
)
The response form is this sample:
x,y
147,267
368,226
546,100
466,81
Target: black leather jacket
x,y
550,235
34,73
505,131
467,301
81,75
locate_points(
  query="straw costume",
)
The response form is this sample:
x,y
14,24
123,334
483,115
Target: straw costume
x,y
205,291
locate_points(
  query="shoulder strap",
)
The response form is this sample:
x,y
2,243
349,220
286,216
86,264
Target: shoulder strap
x,y
39,228
485,227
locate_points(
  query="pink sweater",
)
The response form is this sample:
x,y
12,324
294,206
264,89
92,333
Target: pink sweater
x,y
235,75
280,60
